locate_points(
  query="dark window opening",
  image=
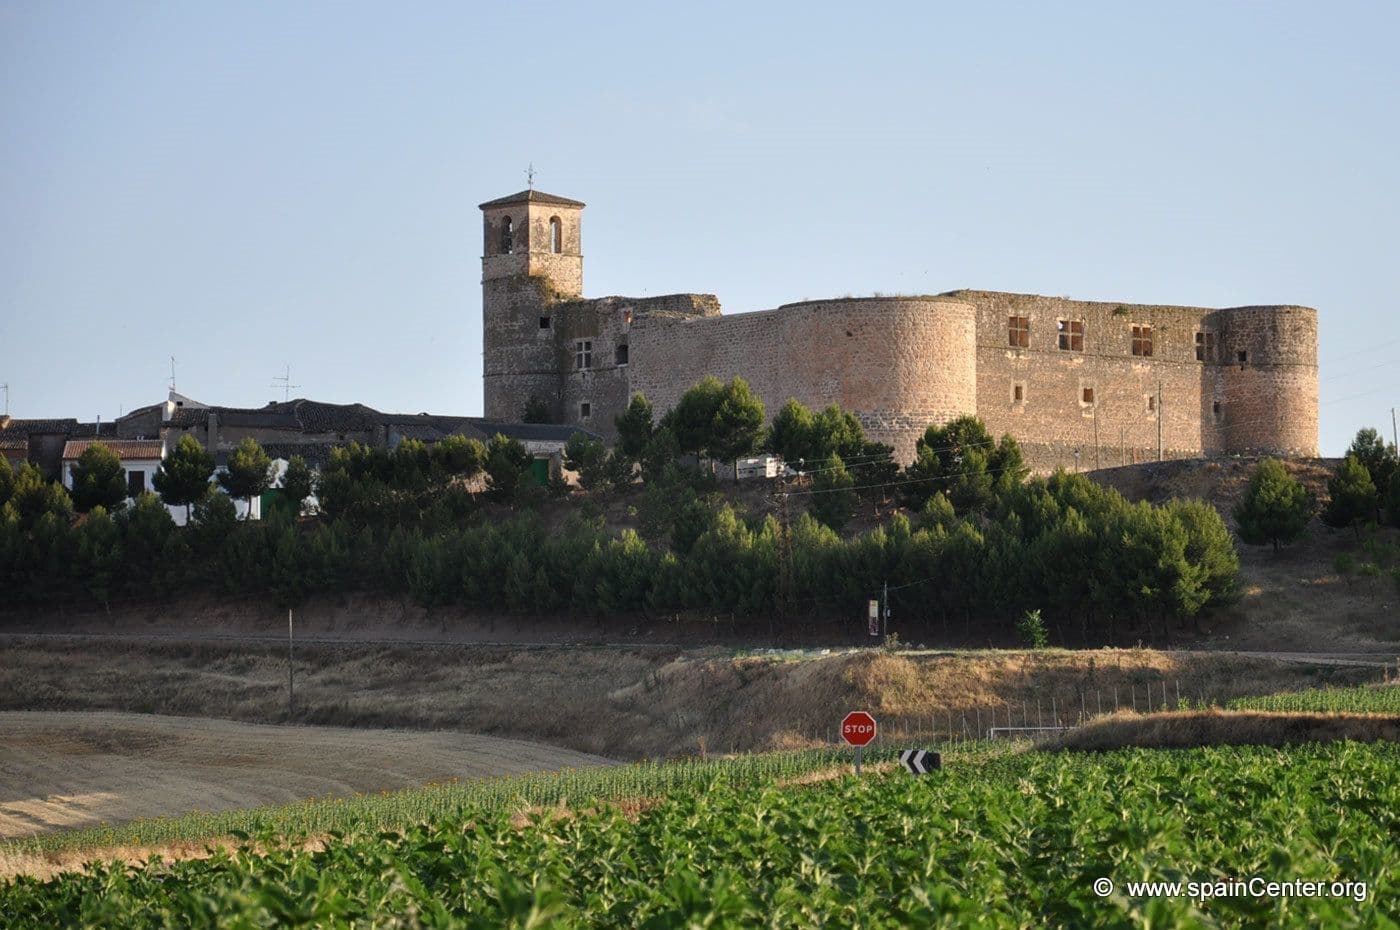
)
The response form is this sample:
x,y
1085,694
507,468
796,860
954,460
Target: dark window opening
x,y
1142,340
1088,395
583,354
544,322
507,236
1151,403
135,483
1019,332
585,410
1018,393
556,235
622,353
1215,409
1071,335
1243,356
1205,347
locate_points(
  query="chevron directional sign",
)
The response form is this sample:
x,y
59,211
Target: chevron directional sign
x,y
920,761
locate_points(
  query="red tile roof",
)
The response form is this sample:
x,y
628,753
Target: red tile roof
x,y
125,448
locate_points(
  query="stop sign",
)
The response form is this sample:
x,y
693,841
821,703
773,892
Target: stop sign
x,y
858,728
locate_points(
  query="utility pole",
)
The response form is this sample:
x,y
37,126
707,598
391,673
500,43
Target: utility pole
x,y
785,583
1159,421
1096,435
6,389
291,684
885,614
1394,434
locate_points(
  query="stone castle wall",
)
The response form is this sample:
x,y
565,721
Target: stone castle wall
x,y
899,364
903,363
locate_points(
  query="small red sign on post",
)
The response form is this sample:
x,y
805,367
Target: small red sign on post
x,y
858,728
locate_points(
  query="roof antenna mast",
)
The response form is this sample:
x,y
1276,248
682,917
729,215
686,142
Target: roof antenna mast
x,y
6,389
286,384
172,372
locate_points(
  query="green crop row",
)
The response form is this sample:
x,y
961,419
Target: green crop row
x,y
1016,841
402,809
1377,700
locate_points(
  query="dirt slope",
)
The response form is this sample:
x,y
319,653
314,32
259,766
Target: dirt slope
x,y
65,770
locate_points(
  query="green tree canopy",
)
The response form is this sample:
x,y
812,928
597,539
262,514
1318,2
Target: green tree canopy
x,y
832,500
962,459
459,457
1353,495
1276,507
738,422
1377,455
7,482
297,482
588,457
98,479
248,473
506,463
32,497
183,478
634,427
692,420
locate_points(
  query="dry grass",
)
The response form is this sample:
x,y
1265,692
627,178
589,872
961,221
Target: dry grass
x,y
620,703
76,770
1183,730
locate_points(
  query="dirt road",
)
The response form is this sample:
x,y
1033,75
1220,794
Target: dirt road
x,y
65,770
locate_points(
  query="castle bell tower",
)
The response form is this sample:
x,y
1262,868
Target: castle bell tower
x,y
531,259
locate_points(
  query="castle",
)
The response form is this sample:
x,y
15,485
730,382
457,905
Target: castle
x,y
1077,383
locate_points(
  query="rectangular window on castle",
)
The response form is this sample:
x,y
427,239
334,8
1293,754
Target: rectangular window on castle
x,y
621,354
1071,335
1018,393
1142,341
583,354
1205,347
544,322
1086,395
585,410
1019,332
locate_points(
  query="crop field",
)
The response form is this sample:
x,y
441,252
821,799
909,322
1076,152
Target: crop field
x,y
1379,700
574,787
1011,840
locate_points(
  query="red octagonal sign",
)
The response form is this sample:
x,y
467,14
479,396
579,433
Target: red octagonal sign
x,y
858,728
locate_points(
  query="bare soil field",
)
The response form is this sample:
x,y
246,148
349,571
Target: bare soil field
x,y
623,703
68,770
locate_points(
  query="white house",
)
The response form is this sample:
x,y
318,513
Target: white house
x,y
140,458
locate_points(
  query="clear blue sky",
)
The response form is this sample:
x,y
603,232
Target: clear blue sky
x,y
246,186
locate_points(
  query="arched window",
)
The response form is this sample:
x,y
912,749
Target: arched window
x,y
556,235
507,236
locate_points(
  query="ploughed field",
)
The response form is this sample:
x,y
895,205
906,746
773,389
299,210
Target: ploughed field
x,y
997,838
75,770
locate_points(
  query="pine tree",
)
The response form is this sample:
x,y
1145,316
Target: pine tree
x,y
738,422
1353,495
506,462
183,478
634,427
98,479
296,482
1276,507
832,497
248,473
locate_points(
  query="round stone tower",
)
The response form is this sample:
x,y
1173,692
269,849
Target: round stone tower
x,y
530,260
1270,380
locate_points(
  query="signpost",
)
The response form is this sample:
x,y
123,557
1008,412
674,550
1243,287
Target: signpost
x,y
858,729
920,761
874,617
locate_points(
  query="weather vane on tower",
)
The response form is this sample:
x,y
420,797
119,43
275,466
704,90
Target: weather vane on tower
x,y
530,176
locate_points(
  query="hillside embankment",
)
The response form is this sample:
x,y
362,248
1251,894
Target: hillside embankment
x,y
1187,729
626,703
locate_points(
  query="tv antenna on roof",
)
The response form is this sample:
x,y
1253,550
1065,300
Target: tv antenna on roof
x,y
530,176
6,389
286,384
172,372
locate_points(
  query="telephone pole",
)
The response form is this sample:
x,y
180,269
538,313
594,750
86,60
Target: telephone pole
x,y
1394,434
291,684
6,389
1096,435
1159,421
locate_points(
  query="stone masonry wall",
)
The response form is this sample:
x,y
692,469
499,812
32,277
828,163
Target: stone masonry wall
x,y
899,364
